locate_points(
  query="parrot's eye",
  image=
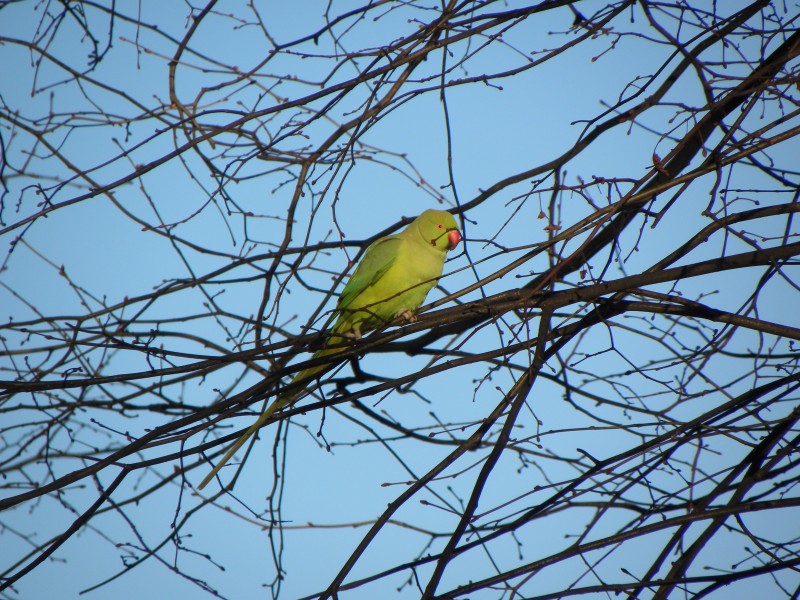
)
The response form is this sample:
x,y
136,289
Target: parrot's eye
x,y
440,226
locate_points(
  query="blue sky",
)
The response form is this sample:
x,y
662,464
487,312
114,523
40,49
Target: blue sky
x,y
535,117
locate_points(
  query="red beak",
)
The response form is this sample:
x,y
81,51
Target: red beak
x,y
453,237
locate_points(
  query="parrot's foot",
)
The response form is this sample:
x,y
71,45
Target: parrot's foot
x,y
407,315
353,335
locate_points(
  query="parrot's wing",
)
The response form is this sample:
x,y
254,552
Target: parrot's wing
x,y
378,258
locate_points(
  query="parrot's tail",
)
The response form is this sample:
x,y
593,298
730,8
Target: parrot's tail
x,y
283,400
279,403
306,375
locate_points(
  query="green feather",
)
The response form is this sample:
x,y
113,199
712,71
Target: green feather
x,y
393,277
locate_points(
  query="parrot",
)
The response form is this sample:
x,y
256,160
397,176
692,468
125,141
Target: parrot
x,y
392,280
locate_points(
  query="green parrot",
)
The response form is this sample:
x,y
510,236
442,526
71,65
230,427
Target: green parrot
x,y
392,279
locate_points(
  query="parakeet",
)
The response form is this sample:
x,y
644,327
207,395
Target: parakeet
x,y
393,278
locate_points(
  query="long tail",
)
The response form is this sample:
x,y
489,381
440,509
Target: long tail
x,y
282,401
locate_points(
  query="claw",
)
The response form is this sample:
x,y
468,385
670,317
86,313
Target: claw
x,y
407,315
355,334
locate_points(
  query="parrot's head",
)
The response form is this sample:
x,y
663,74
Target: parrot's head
x,y
439,228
